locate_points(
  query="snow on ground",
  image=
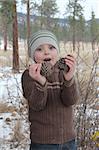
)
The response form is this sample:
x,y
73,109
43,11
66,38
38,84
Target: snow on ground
x,y
14,125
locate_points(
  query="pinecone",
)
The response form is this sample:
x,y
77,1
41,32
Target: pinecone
x,y
46,69
62,65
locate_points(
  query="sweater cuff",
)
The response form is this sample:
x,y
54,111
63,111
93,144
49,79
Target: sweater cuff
x,y
69,83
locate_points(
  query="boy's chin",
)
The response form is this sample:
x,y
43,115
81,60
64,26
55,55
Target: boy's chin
x,y
52,63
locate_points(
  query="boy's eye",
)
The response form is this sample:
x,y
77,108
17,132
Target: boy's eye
x,y
38,49
51,47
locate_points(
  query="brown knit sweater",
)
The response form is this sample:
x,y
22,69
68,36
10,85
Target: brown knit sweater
x,y
50,108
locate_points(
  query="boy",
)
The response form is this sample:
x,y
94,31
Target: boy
x,y
51,97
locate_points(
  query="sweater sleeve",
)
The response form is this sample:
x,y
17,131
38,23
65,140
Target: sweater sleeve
x,y
35,93
70,92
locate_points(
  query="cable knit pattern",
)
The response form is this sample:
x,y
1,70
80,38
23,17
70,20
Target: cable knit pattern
x,y
50,108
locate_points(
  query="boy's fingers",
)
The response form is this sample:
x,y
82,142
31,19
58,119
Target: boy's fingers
x,y
33,69
38,68
70,58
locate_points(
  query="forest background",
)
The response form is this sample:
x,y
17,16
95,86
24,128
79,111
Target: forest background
x,y
76,35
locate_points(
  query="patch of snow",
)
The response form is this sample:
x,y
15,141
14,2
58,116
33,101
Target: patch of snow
x,y
11,95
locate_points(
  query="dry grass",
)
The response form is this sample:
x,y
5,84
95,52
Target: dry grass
x,y
4,108
18,136
85,52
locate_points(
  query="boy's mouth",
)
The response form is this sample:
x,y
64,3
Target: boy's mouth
x,y
47,59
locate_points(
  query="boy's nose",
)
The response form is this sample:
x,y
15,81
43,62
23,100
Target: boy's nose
x,y
46,51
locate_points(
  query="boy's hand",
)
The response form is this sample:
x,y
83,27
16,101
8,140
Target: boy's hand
x,y
71,62
34,72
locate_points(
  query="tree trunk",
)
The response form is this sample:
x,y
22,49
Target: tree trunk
x,y
5,37
15,40
41,17
28,32
28,25
73,40
74,30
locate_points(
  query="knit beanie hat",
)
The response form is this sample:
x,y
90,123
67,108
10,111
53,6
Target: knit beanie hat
x,y
42,37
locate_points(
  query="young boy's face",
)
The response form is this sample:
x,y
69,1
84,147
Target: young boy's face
x,y
47,53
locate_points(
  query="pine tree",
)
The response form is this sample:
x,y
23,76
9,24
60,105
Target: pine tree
x,y
94,30
46,10
75,10
6,16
